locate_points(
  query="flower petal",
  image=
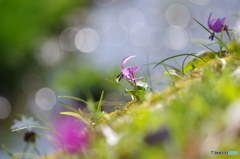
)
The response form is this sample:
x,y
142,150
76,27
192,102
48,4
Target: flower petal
x,y
216,24
135,69
126,71
210,21
140,77
125,60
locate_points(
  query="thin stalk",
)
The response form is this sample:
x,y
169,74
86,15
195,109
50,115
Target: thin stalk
x,y
228,35
167,70
25,150
148,72
36,150
134,82
183,65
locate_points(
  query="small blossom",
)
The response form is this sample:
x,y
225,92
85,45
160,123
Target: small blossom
x,y
128,72
216,25
24,122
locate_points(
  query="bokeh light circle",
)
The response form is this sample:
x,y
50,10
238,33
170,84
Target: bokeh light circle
x,y
130,17
67,37
115,35
140,36
176,38
5,108
87,40
50,53
178,15
154,19
45,99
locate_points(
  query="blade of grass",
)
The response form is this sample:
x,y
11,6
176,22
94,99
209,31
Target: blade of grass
x,y
148,72
167,71
99,107
69,107
177,56
81,100
91,105
184,64
205,46
115,83
75,115
162,76
7,151
177,64
172,67
44,121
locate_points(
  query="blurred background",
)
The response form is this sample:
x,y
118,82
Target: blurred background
x,y
68,47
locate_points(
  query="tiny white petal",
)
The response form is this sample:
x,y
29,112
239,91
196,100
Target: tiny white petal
x,y
24,122
111,137
142,84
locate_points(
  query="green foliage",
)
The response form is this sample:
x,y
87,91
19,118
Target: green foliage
x,y
25,26
94,109
190,114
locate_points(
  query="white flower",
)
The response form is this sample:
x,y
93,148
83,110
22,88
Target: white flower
x,y
142,84
24,123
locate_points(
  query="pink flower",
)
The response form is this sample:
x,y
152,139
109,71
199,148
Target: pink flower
x,y
216,25
128,72
74,134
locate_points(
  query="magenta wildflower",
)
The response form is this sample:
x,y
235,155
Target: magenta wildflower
x,y
74,134
128,72
216,25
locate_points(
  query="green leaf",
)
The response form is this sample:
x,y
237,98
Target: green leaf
x,y
99,108
7,151
205,46
69,107
158,79
81,100
177,56
115,83
75,115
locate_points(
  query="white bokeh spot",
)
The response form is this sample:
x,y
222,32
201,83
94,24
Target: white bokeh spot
x,y
45,99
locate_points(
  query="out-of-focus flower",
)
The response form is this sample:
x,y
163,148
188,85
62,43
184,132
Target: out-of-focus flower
x,y
24,123
216,25
29,136
74,134
128,72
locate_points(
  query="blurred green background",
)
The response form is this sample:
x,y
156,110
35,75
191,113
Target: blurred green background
x,y
25,27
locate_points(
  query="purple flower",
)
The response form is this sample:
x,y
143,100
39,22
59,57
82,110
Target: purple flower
x,y
128,72
74,134
216,25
